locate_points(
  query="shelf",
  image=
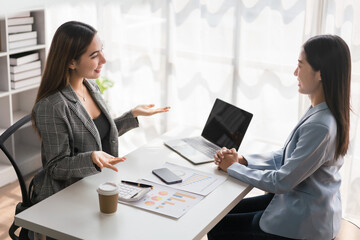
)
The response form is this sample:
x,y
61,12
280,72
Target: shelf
x,y
3,40
19,90
17,103
27,49
5,117
4,94
18,115
4,74
23,102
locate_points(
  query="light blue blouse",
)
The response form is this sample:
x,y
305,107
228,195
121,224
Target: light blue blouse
x,y
307,202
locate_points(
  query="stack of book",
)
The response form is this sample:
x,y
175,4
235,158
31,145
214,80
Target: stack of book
x,y
20,29
25,69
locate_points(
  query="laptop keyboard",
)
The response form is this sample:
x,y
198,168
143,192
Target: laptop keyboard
x,y
202,145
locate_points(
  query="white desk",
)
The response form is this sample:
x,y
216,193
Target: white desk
x,y
73,213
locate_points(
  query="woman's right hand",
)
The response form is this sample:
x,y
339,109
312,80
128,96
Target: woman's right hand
x,y
225,158
102,159
219,156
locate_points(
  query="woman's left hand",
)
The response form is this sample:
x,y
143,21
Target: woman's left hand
x,y
147,110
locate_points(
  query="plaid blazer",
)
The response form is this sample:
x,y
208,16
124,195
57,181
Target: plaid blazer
x,y
69,136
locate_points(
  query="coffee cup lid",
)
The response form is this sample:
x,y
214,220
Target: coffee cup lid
x,y
108,188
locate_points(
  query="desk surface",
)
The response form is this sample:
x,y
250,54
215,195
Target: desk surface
x,y
73,213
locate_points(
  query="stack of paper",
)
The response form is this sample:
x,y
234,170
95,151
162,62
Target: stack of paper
x,y
20,29
25,69
176,199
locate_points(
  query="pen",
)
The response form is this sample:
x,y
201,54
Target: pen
x,y
137,184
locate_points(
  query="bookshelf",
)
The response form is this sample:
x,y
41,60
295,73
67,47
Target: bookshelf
x,y
16,100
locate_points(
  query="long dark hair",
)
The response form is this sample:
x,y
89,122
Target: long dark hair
x,y
330,55
70,41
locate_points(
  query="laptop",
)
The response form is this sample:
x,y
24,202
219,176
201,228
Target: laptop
x,y
225,127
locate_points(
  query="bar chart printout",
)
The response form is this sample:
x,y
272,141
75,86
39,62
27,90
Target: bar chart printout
x,y
167,201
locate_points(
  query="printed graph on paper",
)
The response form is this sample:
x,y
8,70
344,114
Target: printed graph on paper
x,y
195,178
167,201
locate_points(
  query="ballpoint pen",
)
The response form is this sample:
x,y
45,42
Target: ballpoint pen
x,y
137,184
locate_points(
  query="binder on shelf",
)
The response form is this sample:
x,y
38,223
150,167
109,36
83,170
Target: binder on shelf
x,y
20,28
22,36
22,43
19,14
25,67
22,58
26,74
20,21
25,82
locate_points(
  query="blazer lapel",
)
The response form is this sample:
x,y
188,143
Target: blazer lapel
x,y
311,111
101,104
81,112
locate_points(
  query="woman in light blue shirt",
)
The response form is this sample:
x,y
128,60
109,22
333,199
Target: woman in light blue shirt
x,y
302,179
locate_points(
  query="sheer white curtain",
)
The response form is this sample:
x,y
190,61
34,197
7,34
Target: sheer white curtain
x,y
343,18
186,53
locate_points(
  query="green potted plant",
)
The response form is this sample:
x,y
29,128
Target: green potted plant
x,y
104,83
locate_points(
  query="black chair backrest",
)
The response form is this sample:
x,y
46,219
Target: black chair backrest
x,y
25,193
3,137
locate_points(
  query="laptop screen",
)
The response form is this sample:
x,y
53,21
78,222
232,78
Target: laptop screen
x,y
226,125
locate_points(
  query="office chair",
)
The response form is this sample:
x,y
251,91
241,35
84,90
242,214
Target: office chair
x,y
25,203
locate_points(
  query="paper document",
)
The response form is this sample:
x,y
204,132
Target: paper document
x,y
166,201
193,180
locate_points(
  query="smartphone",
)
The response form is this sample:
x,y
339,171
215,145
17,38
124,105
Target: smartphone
x,y
167,176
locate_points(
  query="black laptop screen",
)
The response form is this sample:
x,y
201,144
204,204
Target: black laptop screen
x,y
226,125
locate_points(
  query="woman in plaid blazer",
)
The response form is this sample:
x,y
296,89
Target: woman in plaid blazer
x,y
79,136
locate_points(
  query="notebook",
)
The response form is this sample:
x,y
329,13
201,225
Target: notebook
x,y
225,127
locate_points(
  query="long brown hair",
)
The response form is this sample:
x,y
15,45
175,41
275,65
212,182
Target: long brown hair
x,y
70,41
330,55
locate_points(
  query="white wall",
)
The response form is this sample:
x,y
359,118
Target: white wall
x,y
11,6
8,7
